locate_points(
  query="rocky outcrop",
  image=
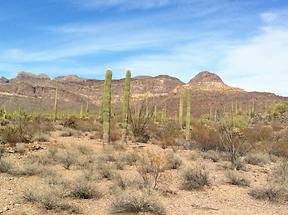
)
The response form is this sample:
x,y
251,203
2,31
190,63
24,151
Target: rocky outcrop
x,y
30,76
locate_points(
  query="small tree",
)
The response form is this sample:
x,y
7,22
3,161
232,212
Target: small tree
x,y
232,138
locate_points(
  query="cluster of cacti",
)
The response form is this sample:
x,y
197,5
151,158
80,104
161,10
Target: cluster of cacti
x,y
56,101
106,109
188,116
126,101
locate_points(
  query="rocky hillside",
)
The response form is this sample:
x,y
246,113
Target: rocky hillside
x,y
36,92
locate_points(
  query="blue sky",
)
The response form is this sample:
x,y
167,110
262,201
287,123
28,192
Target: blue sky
x,y
243,41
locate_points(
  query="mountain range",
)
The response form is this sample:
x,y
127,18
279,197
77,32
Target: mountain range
x,y
34,92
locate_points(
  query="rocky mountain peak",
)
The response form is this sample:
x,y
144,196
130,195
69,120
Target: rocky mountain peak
x,y
27,76
206,77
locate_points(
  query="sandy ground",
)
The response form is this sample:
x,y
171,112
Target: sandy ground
x,y
219,198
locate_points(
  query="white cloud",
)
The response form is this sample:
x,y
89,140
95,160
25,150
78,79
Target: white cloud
x,y
260,63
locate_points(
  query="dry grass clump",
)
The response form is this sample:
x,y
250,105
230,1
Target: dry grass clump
x,y
273,194
135,202
173,161
30,169
5,165
258,158
235,178
105,170
212,155
195,178
69,132
84,189
46,197
41,137
276,188
67,157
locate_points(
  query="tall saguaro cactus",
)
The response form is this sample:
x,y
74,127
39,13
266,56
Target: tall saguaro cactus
x,y
188,115
56,101
181,111
126,101
106,111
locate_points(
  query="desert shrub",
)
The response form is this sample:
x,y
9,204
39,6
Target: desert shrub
x,y
115,132
258,133
194,178
84,189
258,158
280,148
47,198
212,155
106,171
235,178
168,134
140,121
150,166
87,125
28,169
232,138
136,202
20,130
69,132
84,149
205,136
41,137
271,193
70,123
276,188
129,158
173,161
67,157
5,165
2,151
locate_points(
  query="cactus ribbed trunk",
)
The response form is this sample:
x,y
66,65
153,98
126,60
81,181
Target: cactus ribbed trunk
x,y
188,115
181,111
106,111
56,101
126,101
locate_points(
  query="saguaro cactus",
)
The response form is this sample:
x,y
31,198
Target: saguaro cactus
x,y
188,115
56,101
106,111
181,111
126,101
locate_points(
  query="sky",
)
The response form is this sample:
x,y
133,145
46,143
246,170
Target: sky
x,y
245,42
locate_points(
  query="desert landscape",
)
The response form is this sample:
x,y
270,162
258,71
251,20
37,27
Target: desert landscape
x,y
135,155
152,107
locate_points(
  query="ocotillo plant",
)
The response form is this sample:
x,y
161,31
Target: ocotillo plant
x,y
181,111
56,101
106,111
188,115
126,101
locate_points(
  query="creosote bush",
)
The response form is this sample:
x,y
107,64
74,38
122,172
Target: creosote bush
x,y
135,202
173,161
194,178
235,178
84,189
257,158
